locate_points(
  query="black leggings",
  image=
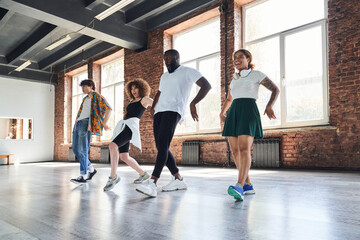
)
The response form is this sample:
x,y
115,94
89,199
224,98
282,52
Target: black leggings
x,y
164,128
123,140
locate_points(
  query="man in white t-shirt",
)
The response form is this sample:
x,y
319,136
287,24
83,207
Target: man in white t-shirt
x,y
168,109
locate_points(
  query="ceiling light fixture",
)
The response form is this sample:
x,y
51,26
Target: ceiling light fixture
x,y
22,66
58,43
113,9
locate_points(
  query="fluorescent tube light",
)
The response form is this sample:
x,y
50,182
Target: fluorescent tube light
x,y
22,66
112,9
58,43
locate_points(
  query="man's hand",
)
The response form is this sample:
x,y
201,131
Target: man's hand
x,y
106,127
193,112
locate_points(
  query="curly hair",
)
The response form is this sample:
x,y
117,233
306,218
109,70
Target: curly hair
x,y
142,85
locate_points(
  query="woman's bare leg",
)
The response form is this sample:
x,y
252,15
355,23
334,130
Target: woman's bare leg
x,y
125,157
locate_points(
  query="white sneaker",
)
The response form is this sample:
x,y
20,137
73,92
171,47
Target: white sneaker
x,y
174,185
148,188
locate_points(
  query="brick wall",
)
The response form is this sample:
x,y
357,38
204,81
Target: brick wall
x,y
333,146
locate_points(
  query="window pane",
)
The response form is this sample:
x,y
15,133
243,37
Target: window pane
x,y
76,80
119,104
112,72
210,106
189,125
108,93
266,58
75,85
274,16
198,41
304,75
76,102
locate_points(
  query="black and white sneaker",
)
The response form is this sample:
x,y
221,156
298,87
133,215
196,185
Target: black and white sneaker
x,y
90,175
79,180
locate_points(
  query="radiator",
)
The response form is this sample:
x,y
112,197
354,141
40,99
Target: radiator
x,y
190,153
104,154
72,156
266,153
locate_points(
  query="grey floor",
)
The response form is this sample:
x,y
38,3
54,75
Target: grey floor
x,y
37,201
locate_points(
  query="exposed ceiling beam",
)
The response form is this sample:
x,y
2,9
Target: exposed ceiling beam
x,y
83,56
5,16
181,10
3,12
91,4
65,52
28,75
3,60
73,16
29,44
146,9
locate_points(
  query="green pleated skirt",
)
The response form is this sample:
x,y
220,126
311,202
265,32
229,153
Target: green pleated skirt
x,y
243,118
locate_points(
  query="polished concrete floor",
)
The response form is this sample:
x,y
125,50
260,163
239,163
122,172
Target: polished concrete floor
x,y
37,201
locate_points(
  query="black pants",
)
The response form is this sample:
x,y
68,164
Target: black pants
x,y
164,128
123,140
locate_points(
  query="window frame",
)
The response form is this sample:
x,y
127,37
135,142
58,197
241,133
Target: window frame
x,y
76,95
198,130
102,138
325,79
197,61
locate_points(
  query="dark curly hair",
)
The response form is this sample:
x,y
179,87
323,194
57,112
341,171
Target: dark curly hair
x,y
142,85
88,82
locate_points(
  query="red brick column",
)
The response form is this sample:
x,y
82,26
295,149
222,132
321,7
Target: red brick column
x,y
61,150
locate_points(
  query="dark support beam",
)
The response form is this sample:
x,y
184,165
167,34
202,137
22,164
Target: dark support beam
x,y
5,16
28,75
72,15
34,40
146,9
66,52
3,60
3,12
91,4
84,56
181,10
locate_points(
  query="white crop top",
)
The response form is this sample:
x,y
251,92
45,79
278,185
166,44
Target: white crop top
x,y
246,84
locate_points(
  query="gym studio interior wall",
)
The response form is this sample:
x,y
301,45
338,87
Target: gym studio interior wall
x,y
28,100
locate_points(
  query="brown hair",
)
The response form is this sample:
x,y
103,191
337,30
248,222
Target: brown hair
x,y
247,54
142,85
88,82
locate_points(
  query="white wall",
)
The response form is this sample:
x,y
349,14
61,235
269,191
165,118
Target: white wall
x,y
31,100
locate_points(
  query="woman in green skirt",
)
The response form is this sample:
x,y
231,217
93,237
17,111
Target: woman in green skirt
x,y
243,122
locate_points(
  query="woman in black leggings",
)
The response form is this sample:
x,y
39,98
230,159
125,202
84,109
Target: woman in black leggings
x,y
127,130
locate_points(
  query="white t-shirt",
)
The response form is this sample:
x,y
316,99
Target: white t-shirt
x,y
85,113
246,84
175,90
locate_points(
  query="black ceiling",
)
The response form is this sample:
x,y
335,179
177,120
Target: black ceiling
x,y
27,27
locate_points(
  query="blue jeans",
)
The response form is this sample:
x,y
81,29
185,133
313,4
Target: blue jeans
x,y
81,144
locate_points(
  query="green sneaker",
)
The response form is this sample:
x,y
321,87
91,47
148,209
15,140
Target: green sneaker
x,y
111,183
142,178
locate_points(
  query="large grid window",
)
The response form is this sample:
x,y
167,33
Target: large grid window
x,y
77,94
290,48
112,88
199,48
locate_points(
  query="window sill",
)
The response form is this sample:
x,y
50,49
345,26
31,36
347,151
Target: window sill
x,y
297,129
